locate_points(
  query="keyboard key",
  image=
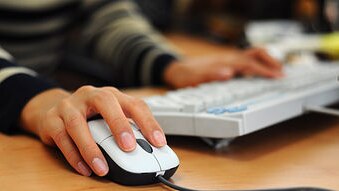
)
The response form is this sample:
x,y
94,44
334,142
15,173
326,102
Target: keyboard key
x,y
216,110
231,109
235,109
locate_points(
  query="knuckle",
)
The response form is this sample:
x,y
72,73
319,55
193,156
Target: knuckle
x,y
51,113
72,155
73,120
59,135
64,105
101,96
47,121
88,150
116,121
138,103
113,89
86,89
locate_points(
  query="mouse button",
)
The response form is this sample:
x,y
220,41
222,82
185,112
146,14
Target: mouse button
x,y
136,161
138,135
136,131
99,130
166,157
134,126
145,145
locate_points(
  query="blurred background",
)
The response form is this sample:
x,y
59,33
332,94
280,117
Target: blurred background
x,y
293,31
226,20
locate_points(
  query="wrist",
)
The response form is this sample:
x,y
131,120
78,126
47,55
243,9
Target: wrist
x,y
158,69
172,73
32,113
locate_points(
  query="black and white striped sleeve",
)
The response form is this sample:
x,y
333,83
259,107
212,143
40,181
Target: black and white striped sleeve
x,y
119,35
17,86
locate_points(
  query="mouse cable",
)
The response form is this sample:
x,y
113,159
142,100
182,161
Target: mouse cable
x,y
176,187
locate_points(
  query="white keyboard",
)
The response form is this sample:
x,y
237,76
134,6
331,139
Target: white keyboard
x,y
240,106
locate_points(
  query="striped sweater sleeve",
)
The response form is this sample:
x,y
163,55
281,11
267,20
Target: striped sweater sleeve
x,y
17,86
119,35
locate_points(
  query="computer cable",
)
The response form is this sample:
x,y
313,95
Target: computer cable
x,y
179,188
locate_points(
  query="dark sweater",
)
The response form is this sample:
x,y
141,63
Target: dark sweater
x,y
17,86
39,33
112,33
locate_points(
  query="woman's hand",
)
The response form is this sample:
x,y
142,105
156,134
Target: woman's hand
x,y
59,118
193,71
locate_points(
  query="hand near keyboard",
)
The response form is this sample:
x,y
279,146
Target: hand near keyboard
x,y
193,71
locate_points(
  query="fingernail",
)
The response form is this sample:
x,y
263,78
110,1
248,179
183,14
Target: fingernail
x,y
225,73
99,166
83,169
127,141
159,138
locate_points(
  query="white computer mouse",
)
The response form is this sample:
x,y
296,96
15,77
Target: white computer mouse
x,y
139,167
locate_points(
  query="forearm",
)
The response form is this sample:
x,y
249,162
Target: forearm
x,y
117,34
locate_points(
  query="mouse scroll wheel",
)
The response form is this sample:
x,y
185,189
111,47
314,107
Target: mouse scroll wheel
x,y
144,145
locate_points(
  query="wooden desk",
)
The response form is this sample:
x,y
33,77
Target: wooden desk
x,y
303,151
300,152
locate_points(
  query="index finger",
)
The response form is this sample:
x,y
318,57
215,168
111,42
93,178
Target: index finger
x,y
255,68
140,113
264,57
108,106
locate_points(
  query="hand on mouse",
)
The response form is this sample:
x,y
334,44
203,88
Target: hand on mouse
x,y
193,71
59,119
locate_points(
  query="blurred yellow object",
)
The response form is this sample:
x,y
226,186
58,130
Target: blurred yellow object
x,y
330,44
